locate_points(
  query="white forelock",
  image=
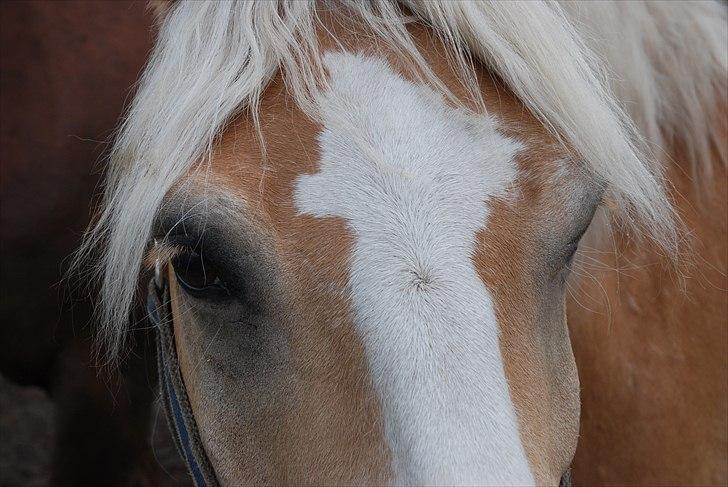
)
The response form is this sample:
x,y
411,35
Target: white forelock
x,y
667,61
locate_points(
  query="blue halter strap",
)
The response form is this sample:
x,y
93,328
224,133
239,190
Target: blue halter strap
x,y
179,413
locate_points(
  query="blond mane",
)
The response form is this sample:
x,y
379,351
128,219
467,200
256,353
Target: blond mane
x,y
564,63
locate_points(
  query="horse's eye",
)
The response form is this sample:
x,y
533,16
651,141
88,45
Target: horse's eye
x,y
197,276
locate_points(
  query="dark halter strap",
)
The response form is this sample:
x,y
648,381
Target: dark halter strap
x,y
180,418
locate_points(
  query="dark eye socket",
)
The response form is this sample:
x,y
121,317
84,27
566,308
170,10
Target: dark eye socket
x,y
568,254
198,275
571,249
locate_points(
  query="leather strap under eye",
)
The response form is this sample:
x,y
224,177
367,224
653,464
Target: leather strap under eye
x,y
177,408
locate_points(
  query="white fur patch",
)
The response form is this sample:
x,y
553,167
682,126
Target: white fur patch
x,y
411,176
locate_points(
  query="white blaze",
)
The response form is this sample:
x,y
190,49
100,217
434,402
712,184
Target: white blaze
x,y
411,176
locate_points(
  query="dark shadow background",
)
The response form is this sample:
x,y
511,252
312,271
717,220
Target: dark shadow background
x,y
67,69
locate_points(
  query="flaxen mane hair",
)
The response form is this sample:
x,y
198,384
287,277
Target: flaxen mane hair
x,y
665,61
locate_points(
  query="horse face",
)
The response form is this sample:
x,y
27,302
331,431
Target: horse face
x,y
379,296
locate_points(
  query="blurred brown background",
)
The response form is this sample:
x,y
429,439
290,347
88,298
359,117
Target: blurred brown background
x,y
68,67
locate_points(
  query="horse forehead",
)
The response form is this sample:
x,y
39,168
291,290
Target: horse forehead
x,y
411,177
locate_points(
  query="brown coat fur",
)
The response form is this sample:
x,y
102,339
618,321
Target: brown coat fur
x,y
651,352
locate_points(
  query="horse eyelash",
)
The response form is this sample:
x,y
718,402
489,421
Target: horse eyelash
x,y
161,251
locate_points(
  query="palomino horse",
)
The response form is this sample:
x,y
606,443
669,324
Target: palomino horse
x,y
362,219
